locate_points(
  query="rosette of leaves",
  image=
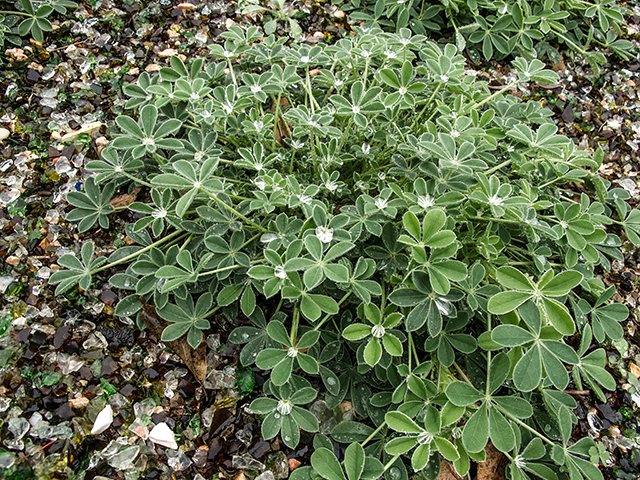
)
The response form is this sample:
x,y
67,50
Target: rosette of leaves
x,y
285,360
284,413
376,334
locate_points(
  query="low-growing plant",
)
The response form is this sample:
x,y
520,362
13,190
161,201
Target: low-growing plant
x,y
487,29
386,231
33,19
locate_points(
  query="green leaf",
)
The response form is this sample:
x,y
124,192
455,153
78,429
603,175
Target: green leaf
x,y
557,315
305,419
513,279
505,302
373,352
326,464
500,431
269,358
511,335
281,373
528,371
354,459
562,284
406,297
263,405
400,422
475,434
462,394
356,331
277,331
400,445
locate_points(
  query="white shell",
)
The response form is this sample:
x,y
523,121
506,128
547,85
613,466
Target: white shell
x,y
162,435
103,420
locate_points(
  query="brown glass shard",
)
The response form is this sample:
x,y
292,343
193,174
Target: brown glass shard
x,y
195,360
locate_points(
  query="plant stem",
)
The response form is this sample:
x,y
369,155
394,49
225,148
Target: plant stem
x,y
233,210
294,325
373,434
139,252
233,76
329,315
520,422
491,97
499,220
390,463
464,375
487,389
426,105
141,182
344,135
498,167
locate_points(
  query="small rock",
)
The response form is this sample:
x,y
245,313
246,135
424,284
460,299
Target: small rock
x,y
4,133
185,7
169,52
152,67
15,54
338,14
633,368
293,464
12,260
80,402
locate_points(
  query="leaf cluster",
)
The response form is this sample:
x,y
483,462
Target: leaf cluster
x,y
388,231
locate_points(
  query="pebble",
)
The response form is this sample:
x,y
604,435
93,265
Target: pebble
x,y
169,52
185,7
12,260
4,133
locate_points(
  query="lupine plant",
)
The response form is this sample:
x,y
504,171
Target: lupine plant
x,y
386,231
33,18
487,29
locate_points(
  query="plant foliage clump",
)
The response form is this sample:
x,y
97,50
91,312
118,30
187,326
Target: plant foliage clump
x,y
488,29
393,232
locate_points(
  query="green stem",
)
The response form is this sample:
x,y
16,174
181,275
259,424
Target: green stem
x,y
344,135
294,325
498,167
329,315
373,434
139,252
499,220
487,390
279,305
233,76
523,424
390,463
141,182
455,364
232,210
491,97
426,106
210,312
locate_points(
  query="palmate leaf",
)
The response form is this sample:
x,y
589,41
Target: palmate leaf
x,y
79,271
92,205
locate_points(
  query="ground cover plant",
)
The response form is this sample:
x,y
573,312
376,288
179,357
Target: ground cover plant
x,y
394,233
485,29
